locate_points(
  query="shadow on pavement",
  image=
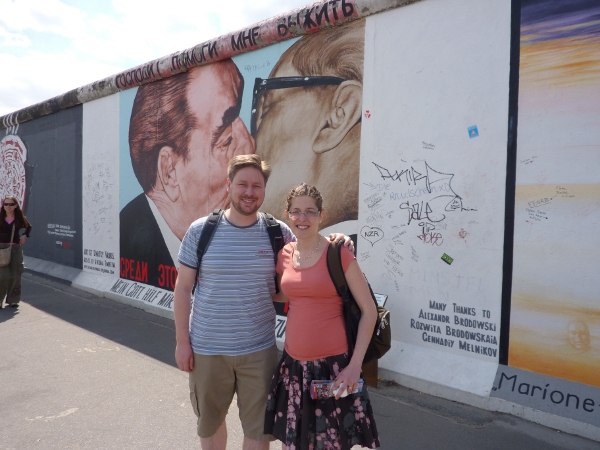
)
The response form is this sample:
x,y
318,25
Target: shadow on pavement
x,y
8,313
151,335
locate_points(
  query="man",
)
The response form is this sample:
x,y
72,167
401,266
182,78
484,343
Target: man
x,y
308,127
228,346
183,132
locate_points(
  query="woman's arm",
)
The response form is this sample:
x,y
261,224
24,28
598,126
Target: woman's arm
x,y
26,235
279,296
361,293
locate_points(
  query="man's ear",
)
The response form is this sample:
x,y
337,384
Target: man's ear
x,y
345,111
167,173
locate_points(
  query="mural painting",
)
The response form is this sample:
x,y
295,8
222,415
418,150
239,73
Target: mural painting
x,y
182,133
183,130
555,311
306,119
40,164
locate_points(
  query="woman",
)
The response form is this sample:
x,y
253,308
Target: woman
x,y
12,218
316,347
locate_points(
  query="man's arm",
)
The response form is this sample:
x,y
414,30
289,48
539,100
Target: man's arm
x,y
182,308
337,237
279,296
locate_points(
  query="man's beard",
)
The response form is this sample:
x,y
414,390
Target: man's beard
x,y
245,212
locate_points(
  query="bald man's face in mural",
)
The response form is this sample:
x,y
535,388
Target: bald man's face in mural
x,y
311,134
579,335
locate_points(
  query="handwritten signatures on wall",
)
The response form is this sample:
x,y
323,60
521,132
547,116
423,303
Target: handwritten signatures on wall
x,y
423,196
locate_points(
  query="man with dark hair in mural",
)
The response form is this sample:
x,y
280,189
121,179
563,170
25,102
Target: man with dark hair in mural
x,y
183,132
306,120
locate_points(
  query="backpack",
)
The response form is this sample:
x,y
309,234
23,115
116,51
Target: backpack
x,y
210,226
381,340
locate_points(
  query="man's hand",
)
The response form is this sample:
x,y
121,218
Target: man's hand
x,y
337,237
184,357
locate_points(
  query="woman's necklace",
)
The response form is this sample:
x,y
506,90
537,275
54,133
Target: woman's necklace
x,y
311,253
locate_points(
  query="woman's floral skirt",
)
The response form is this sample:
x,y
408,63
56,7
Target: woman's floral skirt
x,y
302,423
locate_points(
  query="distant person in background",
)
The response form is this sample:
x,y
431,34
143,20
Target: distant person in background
x,y
12,221
183,132
306,120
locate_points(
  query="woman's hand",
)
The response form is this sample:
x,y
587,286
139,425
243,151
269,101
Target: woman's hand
x,y
23,239
347,380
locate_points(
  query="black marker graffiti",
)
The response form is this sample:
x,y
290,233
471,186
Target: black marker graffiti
x,y
432,189
313,18
245,39
371,234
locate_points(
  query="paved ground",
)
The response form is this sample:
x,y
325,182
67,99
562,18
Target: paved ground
x,y
82,372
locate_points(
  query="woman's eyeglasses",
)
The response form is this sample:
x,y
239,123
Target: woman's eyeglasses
x,y
295,215
9,204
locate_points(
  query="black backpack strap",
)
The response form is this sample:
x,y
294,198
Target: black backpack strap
x,y
336,271
275,233
275,236
208,231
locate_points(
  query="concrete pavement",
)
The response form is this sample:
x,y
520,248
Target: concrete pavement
x,y
83,372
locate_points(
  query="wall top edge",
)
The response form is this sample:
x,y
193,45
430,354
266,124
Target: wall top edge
x,y
312,18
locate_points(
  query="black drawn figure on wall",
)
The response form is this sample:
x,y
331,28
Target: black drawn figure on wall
x,y
306,119
183,132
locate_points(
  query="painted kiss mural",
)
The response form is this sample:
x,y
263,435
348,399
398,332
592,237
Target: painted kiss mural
x,y
555,313
304,112
182,133
307,120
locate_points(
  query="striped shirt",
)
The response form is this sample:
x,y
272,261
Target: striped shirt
x,y
232,312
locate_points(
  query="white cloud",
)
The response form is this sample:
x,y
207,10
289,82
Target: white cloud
x,y
36,77
8,39
50,16
52,47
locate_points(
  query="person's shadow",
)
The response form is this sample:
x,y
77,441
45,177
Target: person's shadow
x,y
8,313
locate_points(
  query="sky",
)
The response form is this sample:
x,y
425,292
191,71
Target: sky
x,y
48,47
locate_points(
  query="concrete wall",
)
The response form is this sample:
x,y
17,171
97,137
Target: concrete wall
x,y
465,164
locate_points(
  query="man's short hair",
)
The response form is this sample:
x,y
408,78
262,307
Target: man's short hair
x,y
340,53
162,116
241,161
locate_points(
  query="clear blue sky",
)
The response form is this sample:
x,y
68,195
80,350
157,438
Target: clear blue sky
x,y
48,47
